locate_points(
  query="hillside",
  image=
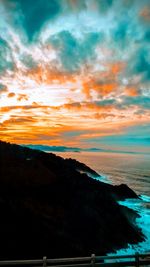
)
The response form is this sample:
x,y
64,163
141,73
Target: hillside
x,y
50,206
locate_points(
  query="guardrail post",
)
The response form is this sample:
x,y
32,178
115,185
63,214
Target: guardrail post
x,y
93,260
44,261
137,261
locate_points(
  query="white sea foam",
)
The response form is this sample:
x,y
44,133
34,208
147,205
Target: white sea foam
x,y
103,178
139,205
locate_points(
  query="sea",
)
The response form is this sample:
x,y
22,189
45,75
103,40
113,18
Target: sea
x,y
132,169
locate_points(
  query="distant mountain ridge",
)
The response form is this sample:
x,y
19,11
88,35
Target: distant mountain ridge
x,y
54,148
50,206
47,148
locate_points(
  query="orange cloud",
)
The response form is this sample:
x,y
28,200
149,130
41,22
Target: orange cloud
x,y
131,91
22,97
11,94
105,89
99,87
86,106
26,129
103,82
11,108
18,120
39,122
103,115
47,75
43,129
117,67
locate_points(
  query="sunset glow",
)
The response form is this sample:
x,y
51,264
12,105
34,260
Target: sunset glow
x,y
74,73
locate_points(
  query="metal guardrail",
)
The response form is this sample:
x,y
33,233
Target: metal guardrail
x,y
93,261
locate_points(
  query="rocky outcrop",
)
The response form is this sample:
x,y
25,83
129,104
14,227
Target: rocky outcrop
x,y
122,192
48,207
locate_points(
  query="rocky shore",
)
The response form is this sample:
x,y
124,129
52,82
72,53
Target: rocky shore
x,y
51,206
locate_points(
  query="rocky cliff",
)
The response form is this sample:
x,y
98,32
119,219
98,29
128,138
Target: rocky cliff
x,y
50,206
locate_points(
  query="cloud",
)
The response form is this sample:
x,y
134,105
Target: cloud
x,y
19,107
145,14
147,35
6,59
22,97
76,5
11,94
33,15
103,105
139,101
128,137
18,120
132,91
104,5
104,82
132,135
28,61
122,33
3,88
74,52
139,64
83,72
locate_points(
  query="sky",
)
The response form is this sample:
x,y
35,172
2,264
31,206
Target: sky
x,y
75,73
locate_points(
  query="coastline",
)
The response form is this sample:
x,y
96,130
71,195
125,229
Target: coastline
x,y
60,206
141,206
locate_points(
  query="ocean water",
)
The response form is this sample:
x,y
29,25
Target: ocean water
x,y
131,169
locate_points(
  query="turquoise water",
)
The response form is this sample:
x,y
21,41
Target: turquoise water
x,y
131,169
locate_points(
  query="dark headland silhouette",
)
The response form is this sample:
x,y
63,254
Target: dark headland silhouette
x,y
50,206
